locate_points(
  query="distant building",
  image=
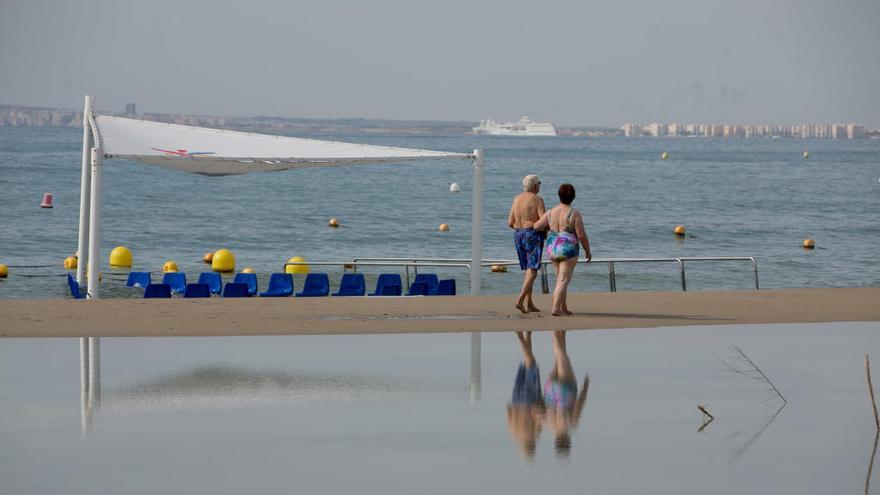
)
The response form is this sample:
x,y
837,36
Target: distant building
x,y
632,130
656,130
674,130
129,109
855,131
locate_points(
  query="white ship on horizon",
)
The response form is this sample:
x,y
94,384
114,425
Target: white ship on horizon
x,y
522,127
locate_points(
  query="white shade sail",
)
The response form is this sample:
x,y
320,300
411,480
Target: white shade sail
x,y
206,151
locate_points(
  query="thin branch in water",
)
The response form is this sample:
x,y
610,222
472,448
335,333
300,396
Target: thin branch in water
x,y
871,391
742,364
707,417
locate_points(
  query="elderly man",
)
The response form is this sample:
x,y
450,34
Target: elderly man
x,y
527,208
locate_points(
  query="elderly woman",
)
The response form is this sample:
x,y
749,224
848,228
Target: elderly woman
x,y
566,230
527,208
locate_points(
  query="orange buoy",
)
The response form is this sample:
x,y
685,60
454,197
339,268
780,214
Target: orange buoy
x,y
808,244
444,227
208,258
679,230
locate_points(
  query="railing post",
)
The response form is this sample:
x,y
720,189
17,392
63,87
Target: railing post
x,y
406,267
755,264
545,285
612,277
683,281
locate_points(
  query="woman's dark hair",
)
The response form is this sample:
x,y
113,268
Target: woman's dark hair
x,y
566,194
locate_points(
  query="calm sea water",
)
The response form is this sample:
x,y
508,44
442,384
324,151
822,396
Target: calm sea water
x,y
736,197
395,414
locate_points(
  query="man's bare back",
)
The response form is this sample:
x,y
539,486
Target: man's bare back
x,y
527,208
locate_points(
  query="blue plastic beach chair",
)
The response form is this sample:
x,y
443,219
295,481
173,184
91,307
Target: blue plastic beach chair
x,y
352,284
157,291
431,280
197,290
418,289
388,284
247,278
215,283
138,279
176,280
236,289
280,285
446,287
316,285
74,288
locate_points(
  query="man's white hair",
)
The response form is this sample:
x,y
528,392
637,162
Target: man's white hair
x,y
530,183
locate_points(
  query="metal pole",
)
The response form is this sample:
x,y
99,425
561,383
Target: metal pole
x,y
755,264
612,277
84,192
683,281
95,223
406,277
545,285
477,224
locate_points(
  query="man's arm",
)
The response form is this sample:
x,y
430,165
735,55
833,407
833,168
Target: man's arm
x,y
511,218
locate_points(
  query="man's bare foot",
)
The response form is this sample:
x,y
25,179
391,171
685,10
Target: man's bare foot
x,y
557,314
521,309
567,312
533,309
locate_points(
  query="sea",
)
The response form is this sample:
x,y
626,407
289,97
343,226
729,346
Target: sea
x,y
736,197
445,413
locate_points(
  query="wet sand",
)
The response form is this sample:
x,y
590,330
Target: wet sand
x,y
367,315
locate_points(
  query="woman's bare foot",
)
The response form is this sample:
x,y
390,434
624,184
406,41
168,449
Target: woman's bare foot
x,y
566,311
533,309
521,308
557,313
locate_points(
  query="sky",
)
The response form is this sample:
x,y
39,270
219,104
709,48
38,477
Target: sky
x,y
578,63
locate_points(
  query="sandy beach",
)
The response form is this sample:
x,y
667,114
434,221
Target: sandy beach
x,y
302,316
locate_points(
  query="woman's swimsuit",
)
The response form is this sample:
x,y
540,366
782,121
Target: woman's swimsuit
x,y
564,244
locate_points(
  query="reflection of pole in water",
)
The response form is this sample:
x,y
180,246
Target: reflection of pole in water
x,y
85,413
95,371
476,358
89,379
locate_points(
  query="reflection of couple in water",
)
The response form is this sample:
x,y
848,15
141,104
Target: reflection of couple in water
x,y
559,405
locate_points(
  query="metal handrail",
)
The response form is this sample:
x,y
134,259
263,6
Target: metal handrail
x,y
415,262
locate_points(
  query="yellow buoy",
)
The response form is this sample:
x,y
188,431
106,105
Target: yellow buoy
x,y
499,268
208,257
248,270
333,222
679,230
664,155
70,262
223,261
169,267
806,154
808,244
120,256
444,227
296,269
4,271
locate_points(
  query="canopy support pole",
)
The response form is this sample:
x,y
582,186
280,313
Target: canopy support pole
x,y
95,223
477,224
82,250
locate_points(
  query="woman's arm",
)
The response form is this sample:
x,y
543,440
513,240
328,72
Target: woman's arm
x,y
541,208
543,222
582,236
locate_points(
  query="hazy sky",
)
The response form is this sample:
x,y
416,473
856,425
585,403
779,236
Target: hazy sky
x,y
575,63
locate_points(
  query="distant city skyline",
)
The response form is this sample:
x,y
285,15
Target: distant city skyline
x,y
571,63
